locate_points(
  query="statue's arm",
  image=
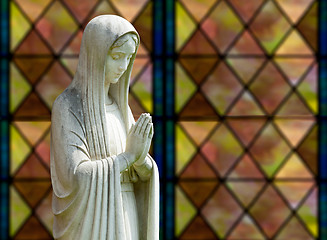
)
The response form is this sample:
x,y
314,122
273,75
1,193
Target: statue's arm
x,y
144,170
69,144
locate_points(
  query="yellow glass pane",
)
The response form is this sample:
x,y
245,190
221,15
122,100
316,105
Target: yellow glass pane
x,y
184,212
19,25
19,211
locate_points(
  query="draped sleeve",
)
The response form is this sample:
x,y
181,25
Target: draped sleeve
x,y
86,193
87,201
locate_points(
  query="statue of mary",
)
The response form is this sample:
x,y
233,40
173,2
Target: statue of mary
x,y
105,184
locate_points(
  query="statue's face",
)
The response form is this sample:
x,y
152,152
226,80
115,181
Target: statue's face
x,y
117,61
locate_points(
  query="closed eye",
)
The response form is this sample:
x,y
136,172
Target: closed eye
x,y
115,56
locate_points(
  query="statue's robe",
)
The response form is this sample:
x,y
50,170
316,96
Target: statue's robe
x,y
87,197
85,173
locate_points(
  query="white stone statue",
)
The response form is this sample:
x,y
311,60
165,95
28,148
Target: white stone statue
x,y
105,184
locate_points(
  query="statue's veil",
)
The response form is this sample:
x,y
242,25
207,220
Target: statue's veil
x,y
99,35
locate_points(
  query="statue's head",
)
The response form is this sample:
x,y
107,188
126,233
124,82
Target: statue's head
x,y
119,57
108,50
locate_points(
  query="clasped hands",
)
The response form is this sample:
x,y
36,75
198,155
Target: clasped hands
x,y
139,139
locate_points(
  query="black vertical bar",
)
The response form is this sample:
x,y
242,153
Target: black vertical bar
x,y
169,111
4,207
158,100
322,119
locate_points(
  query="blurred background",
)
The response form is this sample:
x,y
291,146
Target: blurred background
x,y
233,89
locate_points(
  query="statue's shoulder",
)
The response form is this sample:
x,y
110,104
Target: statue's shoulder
x,y
67,102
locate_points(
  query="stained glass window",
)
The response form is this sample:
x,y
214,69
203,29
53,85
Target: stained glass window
x,y
237,92
45,39
246,134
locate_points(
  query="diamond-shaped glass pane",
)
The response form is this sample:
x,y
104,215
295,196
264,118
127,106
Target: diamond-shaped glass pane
x,y
56,31
222,26
270,26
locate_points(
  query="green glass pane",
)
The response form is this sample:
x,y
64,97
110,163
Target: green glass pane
x,y
222,26
269,150
184,25
19,149
19,88
184,212
185,88
56,30
222,150
19,211
142,89
19,25
184,149
270,26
